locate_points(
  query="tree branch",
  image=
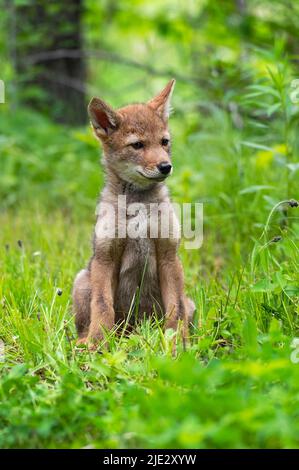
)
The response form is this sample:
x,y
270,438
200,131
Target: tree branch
x,y
110,57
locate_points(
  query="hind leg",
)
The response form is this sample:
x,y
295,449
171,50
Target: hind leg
x,y
81,303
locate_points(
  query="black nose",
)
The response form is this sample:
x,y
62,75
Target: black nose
x,y
164,168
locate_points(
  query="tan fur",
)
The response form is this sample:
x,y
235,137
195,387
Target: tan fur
x,y
122,268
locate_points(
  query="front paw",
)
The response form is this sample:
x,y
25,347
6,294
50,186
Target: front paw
x,y
88,342
93,346
171,323
95,342
82,341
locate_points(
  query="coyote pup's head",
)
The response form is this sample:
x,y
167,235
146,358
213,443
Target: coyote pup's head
x,y
135,138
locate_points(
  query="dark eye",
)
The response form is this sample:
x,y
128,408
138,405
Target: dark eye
x,y
165,142
137,145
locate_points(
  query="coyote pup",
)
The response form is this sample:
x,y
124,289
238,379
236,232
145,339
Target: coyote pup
x,y
136,144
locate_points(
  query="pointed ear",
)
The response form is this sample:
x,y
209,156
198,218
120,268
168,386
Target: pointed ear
x,y
161,102
103,118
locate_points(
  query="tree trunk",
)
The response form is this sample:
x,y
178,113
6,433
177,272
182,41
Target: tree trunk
x,y
54,86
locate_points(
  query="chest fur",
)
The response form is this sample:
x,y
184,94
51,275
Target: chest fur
x,y
137,275
138,282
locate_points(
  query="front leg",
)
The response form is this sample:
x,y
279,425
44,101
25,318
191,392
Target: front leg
x,y
102,316
171,285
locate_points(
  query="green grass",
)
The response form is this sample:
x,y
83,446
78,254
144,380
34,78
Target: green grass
x,y
235,385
